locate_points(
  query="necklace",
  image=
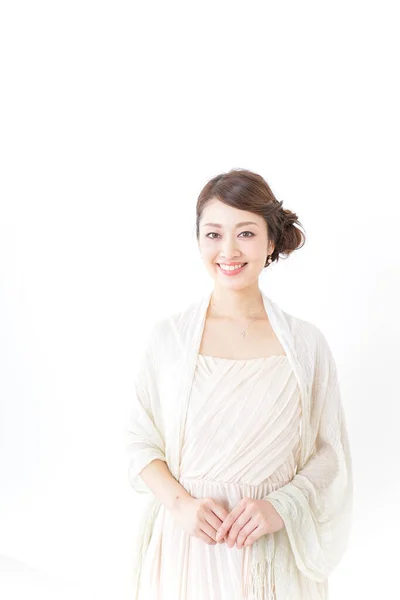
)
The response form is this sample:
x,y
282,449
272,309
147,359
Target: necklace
x,y
243,333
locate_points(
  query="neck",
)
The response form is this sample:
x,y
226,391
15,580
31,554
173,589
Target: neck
x,y
245,303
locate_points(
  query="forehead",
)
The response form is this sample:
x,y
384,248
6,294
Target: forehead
x,y
218,212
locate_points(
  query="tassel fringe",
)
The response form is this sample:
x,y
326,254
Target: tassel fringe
x,y
260,584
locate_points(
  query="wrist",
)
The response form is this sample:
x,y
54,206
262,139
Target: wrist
x,y
179,501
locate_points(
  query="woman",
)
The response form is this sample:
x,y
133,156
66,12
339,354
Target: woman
x,y
237,427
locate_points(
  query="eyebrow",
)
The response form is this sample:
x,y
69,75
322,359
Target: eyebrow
x,y
237,225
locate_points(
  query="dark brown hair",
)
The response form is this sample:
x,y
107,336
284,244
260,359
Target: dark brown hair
x,y
248,191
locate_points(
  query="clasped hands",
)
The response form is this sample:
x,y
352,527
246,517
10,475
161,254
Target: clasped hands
x,y
248,521
205,518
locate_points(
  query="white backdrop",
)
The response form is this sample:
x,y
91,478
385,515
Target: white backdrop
x,y
113,117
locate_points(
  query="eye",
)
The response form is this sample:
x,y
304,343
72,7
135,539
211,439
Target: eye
x,y
214,233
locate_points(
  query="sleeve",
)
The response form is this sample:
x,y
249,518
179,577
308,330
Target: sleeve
x,y
316,505
145,440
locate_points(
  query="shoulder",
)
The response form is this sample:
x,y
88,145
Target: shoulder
x,y
307,333
169,332
301,326
182,318
300,329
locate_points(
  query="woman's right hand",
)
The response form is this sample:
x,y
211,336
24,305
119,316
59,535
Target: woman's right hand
x,y
200,517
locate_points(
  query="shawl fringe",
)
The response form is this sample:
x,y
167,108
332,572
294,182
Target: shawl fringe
x,y
260,583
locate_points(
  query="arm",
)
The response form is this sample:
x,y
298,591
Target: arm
x,y
163,484
145,440
316,505
148,469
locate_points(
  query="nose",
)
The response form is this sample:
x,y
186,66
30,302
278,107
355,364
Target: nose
x,y
229,248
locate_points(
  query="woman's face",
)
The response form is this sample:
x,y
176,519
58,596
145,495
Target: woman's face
x,y
232,241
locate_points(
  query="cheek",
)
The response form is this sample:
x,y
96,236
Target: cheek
x,y
208,250
256,251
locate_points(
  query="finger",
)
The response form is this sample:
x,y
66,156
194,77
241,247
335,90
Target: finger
x,y
245,532
254,536
236,529
209,530
214,514
212,527
206,538
230,519
210,524
215,522
218,510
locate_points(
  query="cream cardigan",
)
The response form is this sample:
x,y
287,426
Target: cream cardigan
x,y
316,505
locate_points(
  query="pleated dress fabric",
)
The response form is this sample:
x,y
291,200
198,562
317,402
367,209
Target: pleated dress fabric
x,y
241,439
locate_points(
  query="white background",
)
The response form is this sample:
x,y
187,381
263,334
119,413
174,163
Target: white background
x,y
114,115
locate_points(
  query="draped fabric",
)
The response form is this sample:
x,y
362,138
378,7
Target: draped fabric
x,y
308,478
241,439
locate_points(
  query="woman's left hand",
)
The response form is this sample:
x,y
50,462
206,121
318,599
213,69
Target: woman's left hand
x,y
248,521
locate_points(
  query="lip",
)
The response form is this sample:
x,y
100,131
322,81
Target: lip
x,y
232,273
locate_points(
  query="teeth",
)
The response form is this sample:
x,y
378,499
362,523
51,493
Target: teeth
x,y
231,268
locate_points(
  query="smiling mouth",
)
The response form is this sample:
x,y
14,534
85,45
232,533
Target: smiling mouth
x,y
232,264
235,269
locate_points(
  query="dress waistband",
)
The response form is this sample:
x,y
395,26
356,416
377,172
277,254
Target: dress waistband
x,y
216,486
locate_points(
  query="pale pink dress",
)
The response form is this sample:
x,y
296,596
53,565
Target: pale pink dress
x,y
241,439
